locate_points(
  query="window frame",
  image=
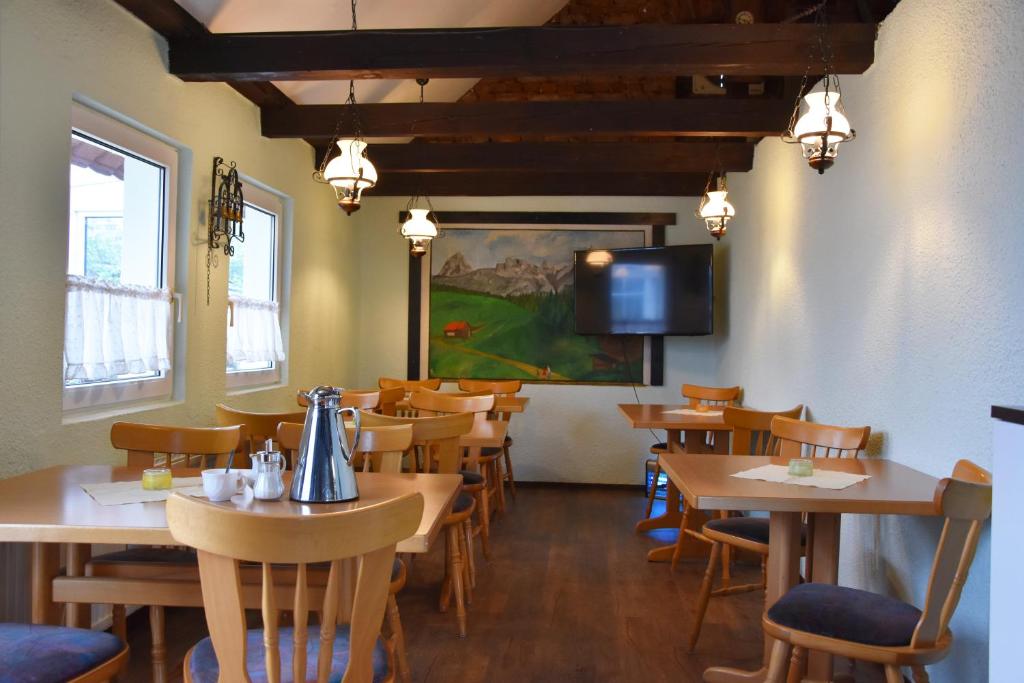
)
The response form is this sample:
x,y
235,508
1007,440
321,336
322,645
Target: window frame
x,y
122,135
269,201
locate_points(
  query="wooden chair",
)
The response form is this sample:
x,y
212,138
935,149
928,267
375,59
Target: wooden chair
x,y
479,478
223,536
695,395
409,385
875,628
389,399
259,427
788,437
363,399
381,449
438,436
149,446
503,388
31,652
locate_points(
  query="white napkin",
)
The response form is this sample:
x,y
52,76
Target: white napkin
x,y
126,492
825,479
691,411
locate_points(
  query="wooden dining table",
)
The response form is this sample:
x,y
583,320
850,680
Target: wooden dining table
x,y
687,432
706,482
48,508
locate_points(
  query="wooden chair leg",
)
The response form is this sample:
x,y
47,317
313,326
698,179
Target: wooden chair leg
x,y
467,584
467,528
119,622
485,522
654,489
446,584
705,594
920,675
778,664
508,473
455,573
677,552
893,674
796,665
159,650
726,566
499,484
395,626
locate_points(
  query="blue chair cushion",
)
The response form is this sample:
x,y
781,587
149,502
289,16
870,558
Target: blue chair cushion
x,y
142,554
660,446
52,654
471,478
846,614
204,668
753,529
462,503
396,568
489,451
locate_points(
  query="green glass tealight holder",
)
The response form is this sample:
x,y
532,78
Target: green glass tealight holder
x,y
801,467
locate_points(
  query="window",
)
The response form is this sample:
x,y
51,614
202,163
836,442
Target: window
x,y
118,341
255,349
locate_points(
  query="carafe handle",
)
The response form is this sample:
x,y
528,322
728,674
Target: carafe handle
x,y
355,441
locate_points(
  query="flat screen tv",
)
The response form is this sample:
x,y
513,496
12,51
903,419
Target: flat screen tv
x,y
653,290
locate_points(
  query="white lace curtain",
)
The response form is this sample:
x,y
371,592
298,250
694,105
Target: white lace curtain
x,y
255,336
112,329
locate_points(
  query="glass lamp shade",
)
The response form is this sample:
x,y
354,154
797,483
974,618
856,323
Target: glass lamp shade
x,y
817,134
599,258
716,212
419,230
350,173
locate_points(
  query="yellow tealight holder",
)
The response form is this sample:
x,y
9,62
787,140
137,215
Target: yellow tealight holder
x,y
801,467
156,479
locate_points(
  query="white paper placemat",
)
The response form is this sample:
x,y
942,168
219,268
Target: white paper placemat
x,y
691,411
825,479
125,492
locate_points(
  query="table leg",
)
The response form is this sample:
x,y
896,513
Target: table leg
x,y
78,615
824,529
45,567
673,514
783,574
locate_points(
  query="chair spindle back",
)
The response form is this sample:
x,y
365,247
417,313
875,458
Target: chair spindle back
x,y
752,429
224,536
799,438
438,436
151,445
258,426
380,448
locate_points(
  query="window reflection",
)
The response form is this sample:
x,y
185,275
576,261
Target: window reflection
x,y
638,300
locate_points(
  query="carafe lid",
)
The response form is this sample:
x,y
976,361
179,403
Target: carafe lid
x,y
324,395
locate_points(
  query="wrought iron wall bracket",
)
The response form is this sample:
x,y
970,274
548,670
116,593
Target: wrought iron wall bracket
x,y
226,203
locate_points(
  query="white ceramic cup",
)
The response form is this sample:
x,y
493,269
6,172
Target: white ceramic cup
x,y
219,485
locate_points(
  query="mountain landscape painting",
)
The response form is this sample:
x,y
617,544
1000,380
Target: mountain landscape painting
x,y
501,307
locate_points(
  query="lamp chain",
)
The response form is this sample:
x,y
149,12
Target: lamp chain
x,y
350,108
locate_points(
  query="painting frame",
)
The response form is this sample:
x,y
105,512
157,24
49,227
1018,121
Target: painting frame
x,y
651,225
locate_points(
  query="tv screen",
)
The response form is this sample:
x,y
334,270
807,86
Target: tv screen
x,y
654,290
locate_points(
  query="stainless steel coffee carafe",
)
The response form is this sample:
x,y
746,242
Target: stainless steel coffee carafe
x,y
324,473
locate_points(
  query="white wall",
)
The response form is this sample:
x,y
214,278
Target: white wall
x,y
570,433
887,292
51,51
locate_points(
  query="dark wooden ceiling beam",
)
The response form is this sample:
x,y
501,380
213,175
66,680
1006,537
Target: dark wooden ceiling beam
x,y
561,157
173,22
491,184
700,117
640,49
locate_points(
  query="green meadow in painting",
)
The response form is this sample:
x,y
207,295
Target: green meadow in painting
x,y
501,307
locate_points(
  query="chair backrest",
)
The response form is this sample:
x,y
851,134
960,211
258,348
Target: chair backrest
x,y
223,536
258,426
752,429
427,402
798,438
434,383
389,400
965,500
380,448
712,396
438,435
504,387
363,399
150,445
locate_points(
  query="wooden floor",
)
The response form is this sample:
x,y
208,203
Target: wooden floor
x,y
567,596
